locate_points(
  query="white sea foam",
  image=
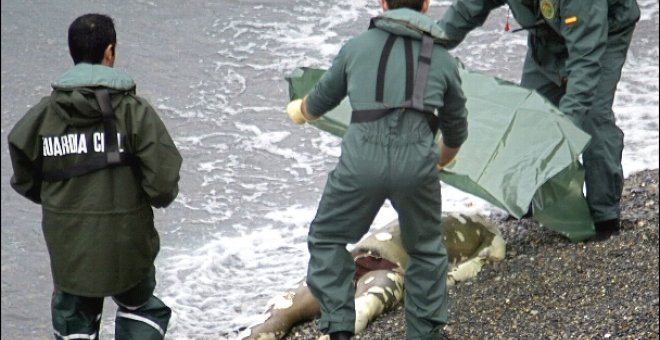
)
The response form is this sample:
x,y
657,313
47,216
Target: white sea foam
x,y
223,285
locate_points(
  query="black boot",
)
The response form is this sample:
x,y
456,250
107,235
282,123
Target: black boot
x,y
605,229
341,336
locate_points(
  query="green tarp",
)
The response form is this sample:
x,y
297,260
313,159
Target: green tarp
x,y
520,150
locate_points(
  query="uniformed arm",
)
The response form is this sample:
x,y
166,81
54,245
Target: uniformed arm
x,y
25,154
452,119
330,89
452,116
586,41
27,175
159,160
463,16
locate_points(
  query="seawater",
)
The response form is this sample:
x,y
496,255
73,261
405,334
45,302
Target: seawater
x,y
251,180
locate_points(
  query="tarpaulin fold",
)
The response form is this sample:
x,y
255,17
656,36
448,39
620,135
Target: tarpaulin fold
x,y
521,150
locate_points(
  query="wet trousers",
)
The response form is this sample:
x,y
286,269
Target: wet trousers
x,y
140,315
602,158
371,170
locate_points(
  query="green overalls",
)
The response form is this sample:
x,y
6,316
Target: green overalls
x,y
140,314
576,50
388,152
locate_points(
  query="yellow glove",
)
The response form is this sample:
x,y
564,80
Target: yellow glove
x,y
294,109
443,166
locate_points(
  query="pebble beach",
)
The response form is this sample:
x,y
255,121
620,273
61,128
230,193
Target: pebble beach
x,y
550,288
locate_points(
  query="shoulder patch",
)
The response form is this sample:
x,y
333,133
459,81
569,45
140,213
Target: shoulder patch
x,y
547,9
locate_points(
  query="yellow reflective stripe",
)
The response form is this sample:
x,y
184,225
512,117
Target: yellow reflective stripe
x,y
570,20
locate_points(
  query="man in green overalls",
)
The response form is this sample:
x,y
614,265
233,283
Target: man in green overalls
x,y
401,87
576,50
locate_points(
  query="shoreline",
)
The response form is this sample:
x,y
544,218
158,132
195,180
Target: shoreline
x,y
552,288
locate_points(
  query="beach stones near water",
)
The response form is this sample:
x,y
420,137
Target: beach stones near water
x,y
472,241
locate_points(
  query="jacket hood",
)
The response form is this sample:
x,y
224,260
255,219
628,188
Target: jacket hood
x,y
73,92
409,23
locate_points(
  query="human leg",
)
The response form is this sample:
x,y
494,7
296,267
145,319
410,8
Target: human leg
x,y
602,159
75,317
419,206
141,315
346,211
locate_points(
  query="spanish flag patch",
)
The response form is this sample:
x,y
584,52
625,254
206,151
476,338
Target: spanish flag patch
x,y
570,20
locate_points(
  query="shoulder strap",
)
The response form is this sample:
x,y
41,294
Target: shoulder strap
x,y
421,77
382,66
109,125
415,86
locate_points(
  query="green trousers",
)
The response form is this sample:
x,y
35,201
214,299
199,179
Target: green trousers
x,y
140,315
602,158
372,168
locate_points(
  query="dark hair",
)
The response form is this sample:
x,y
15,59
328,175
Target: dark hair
x,y
89,36
412,4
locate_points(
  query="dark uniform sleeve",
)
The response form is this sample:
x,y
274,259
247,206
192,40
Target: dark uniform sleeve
x,y
330,89
27,177
25,153
463,16
159,159
586,41
453,115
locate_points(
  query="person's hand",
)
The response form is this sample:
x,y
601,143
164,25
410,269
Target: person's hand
x,y
443,166
447,156
294,109
297,112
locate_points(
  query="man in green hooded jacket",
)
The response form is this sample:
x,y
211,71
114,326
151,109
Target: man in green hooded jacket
x,y
576,50
402,87
97,157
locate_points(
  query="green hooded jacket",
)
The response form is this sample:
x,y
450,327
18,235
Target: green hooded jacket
x,y
566,38
98,227
355,68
